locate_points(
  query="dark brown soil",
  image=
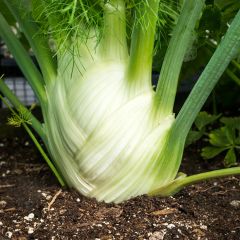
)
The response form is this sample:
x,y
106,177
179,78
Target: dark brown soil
x,y
33,206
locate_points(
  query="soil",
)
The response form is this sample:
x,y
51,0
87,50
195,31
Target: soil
x,y
34,206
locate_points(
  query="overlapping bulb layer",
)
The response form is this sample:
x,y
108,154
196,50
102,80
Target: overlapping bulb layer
x,y
105,133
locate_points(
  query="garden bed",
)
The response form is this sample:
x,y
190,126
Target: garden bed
x,y
33,206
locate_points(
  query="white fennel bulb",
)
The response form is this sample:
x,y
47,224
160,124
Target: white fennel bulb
x,y
104,131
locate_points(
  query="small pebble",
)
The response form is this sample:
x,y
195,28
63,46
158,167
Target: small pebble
x,y
179,230
8,234
62,211
3,204
235,203
78,199
204,227
1,223
2,163
30,230
48,197
29,217
171,226
157,235
44,194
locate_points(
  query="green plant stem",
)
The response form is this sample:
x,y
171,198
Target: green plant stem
x,y
223,55
24,61
38,43
74,10
236,64
230,73
213,46
178,46
114,43
202,89
141,49
181,182
233,76
44,155
37,126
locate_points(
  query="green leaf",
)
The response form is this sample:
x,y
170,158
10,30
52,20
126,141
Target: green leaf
x,y
7,14
230,158
232,128
233,122
237,140
23,59
231,134
219,137
192,137
211,152
204,119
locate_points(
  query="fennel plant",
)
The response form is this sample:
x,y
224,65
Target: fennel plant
x,y
108,133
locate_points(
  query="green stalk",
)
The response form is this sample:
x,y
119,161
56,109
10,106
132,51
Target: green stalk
x,y
213,47
218,63
37,126
233,76
38,43
230,73
236,64
226,51
114,44
44,155
74,10
142,44
181,182
24,61
178,46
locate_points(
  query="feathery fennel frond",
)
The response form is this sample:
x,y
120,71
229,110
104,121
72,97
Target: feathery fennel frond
x,y
66,20
23,116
